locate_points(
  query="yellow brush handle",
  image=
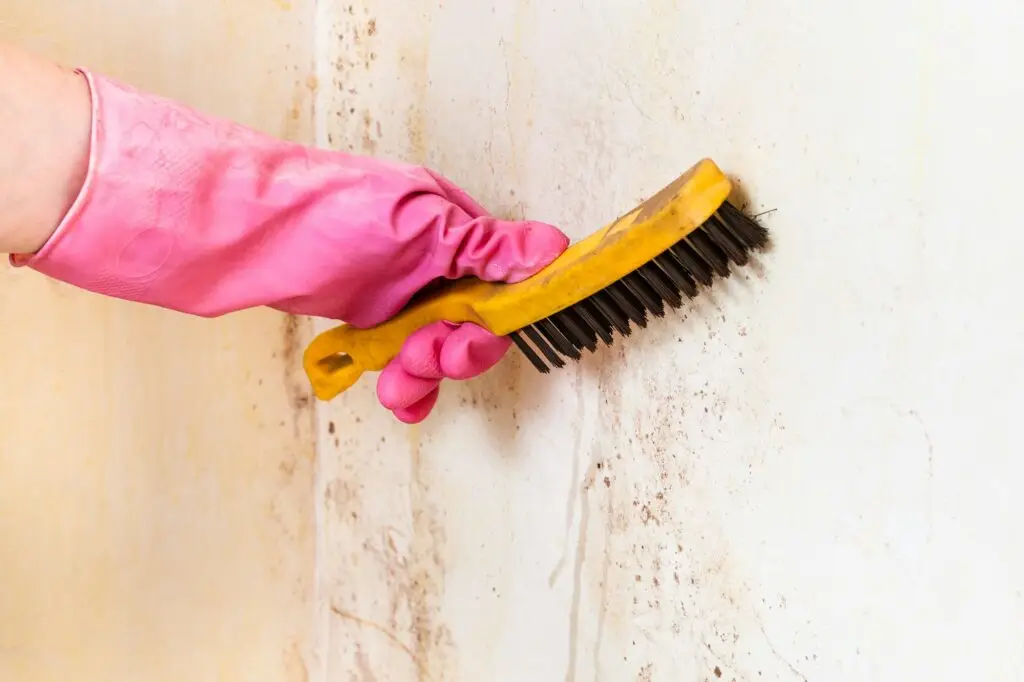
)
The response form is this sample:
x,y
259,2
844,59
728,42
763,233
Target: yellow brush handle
x,y
336,359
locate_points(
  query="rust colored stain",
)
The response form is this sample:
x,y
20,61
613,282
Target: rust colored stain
x,y
298,116
388,634
369,141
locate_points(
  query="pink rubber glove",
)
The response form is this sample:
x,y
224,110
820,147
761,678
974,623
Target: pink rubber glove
x,y
200,215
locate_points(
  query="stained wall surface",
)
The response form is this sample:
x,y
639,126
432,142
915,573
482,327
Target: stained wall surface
x,y
808,474
156,471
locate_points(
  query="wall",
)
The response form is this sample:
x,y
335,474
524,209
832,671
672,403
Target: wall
x,y
807,475
156,471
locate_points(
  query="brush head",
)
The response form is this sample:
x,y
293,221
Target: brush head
x,y
725,240
644,263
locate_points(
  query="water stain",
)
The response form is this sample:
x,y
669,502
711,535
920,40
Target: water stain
x,y
365,670
575,486
577,575
389,635
594,497
295,668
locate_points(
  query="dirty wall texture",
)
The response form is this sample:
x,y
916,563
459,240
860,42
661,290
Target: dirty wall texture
x,y
156,471
807,474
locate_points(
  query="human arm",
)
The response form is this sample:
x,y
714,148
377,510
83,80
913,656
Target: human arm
x,y
197,214
44,146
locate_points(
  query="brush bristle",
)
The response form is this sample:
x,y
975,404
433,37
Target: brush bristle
x,y
726,239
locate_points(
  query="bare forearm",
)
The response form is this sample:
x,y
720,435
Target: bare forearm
x,y
45,118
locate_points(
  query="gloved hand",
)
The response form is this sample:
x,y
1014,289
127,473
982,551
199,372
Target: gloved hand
x,y
200,215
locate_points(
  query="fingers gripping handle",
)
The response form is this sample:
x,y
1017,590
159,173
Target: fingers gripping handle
x,y
336,359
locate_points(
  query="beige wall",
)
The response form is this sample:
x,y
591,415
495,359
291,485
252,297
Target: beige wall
x,y
156,518
812,473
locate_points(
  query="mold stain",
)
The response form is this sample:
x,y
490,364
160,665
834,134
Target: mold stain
x,y
432,640
293,335
409,561
298,117
369,140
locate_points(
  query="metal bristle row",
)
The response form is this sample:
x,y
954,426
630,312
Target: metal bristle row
x,y
726,238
